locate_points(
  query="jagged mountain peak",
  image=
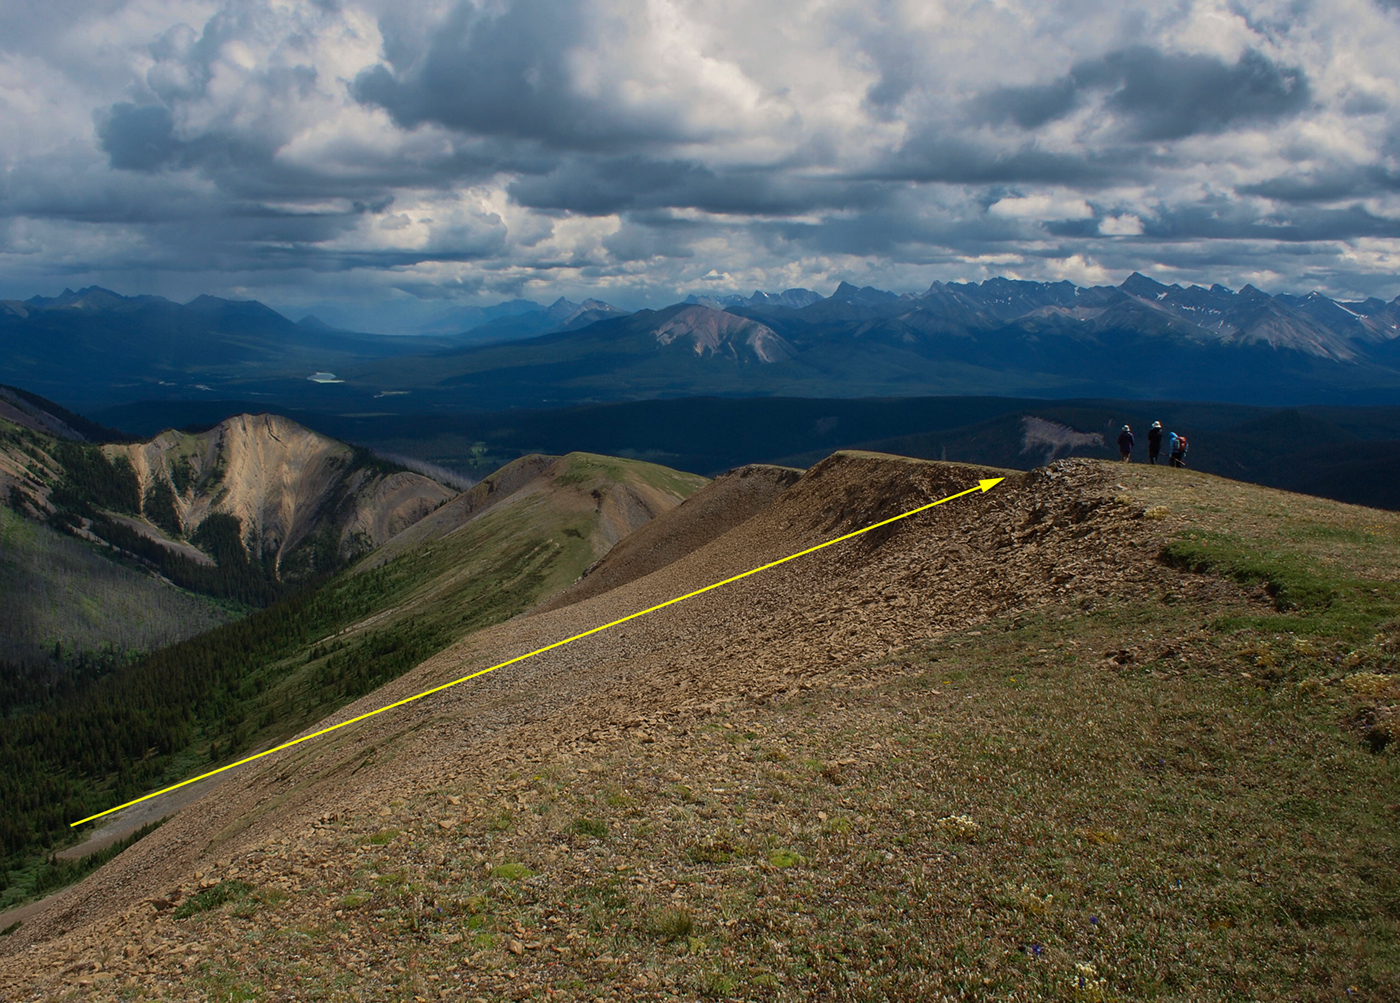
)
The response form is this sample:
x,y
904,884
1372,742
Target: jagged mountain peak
x,y
862,294
565,313
1138,284
89,298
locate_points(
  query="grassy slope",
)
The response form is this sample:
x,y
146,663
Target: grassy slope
x,y
361,630
1007,814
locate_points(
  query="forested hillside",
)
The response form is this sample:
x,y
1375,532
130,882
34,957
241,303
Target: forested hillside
x,y
64,599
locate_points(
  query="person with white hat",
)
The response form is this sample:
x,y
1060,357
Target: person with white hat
x,y
1125,443
1154,441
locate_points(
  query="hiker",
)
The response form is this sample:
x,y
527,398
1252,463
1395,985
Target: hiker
x,y
1125,443
1179,447
1154,442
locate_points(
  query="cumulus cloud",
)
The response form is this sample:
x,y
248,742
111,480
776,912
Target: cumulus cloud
x,y
570,74
1041,207
1126,225
1080,270
301,150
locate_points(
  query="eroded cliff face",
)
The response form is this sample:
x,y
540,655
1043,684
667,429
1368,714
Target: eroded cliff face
x,y
303,501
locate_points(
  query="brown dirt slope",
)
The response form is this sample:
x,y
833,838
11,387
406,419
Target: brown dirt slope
x,y
547,518
899,768
636,491
726,502
488,492
22,469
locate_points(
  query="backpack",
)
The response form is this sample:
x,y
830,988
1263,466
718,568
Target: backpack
x,y
1182,445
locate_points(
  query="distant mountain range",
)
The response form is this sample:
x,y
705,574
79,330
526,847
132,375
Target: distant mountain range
x,y
1006,337
94,344
1002,336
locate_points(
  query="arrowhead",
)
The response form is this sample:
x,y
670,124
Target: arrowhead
x,y
989,483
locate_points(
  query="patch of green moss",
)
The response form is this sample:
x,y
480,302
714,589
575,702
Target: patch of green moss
x,y
212,898
512,871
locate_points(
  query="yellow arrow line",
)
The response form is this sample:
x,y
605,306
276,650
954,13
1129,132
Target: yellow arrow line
x,y
983,486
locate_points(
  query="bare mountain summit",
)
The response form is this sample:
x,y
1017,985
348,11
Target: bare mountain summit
x,y
259,496
291,489
718,332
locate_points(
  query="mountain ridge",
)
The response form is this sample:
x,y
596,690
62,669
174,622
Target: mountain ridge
x,y
887,736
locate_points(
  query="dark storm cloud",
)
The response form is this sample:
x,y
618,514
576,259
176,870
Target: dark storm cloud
x,y
1029,107
935,154
1201,221
606,185
53,188
1158,95
672,239
599,187
1327,186
505,72
900,228
1220,218
138,137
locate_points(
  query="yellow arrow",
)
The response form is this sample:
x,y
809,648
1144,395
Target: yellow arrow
x,y
982,486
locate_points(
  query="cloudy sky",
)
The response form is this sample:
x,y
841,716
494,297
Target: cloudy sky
x,y
384,155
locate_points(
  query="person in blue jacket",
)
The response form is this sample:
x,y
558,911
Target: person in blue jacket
x,y
1125,443
1179,448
